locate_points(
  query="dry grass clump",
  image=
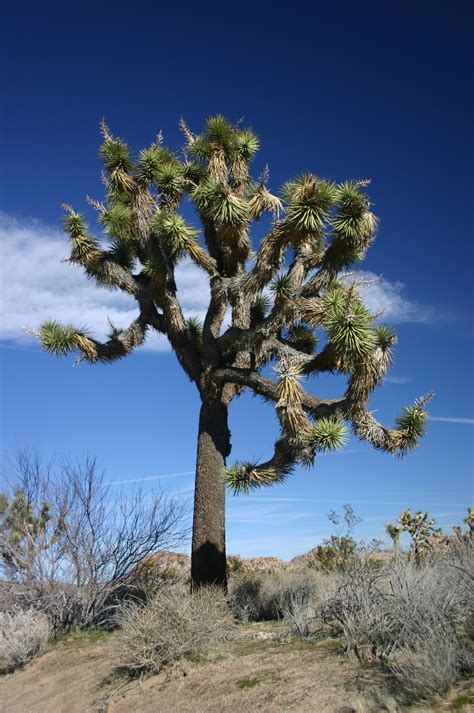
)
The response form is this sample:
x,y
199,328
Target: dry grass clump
x,y
174,625
23,635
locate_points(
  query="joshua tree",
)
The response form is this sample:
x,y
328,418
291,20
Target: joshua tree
x,y
420,528
394,532
281,295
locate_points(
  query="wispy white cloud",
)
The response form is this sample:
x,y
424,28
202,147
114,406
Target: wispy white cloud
x,y
36,285
397,379
452,419
389,297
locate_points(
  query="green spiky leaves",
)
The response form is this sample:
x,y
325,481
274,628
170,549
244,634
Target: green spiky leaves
x,y
348,325
309,200
281,287
353,225
258,309
116,155
302,338
194,329
217,203
242,478
56,338
84,248
123,253
173,233
385,338
329,434
238,478
246,144
352,206
118,221
412,425
117,162
220,135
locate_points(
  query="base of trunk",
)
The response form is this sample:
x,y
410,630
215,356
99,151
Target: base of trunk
x,y
208,559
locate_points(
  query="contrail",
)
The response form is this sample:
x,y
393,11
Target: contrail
x,y
151,477
449,419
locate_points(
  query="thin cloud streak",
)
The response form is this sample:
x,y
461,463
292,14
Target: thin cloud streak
x,y
452,419
397,380
148,478
355,502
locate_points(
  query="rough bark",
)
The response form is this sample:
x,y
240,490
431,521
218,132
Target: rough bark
x,y
208,560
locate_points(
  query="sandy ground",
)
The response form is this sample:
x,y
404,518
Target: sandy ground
x,y
252,674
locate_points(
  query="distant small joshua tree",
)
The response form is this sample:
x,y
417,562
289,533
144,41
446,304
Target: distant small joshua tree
x,y
420,528
394,532
283,295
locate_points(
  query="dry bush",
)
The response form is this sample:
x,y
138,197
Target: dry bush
x,y
293,596
431,669
174,625
70,543
301,598
254,596
401,605
415,616
23,635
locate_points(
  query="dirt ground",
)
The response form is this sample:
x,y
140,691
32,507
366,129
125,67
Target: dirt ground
x,y
255,673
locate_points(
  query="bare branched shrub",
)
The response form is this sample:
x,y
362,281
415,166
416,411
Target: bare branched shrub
x,y
69,542
23,635
176,624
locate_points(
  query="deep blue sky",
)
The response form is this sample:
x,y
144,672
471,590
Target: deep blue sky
x,y
367,90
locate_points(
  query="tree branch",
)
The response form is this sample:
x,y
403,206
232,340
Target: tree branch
x,y
268,390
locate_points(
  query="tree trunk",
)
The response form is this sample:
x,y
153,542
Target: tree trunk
x,y
208,560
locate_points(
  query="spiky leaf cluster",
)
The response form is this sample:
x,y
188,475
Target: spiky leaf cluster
x,y
221,206
329,434
118,221
385,337
56,338
84,248
412,424
302,338
349,326
194,329
173,233
220,135
238,478
309,200
353,226
259,308
281,287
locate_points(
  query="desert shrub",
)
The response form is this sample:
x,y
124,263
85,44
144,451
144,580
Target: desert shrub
x,y
292,596
415,616
301,598
23,635
235,564
380,612
431,669
254,596
176,624
70,543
